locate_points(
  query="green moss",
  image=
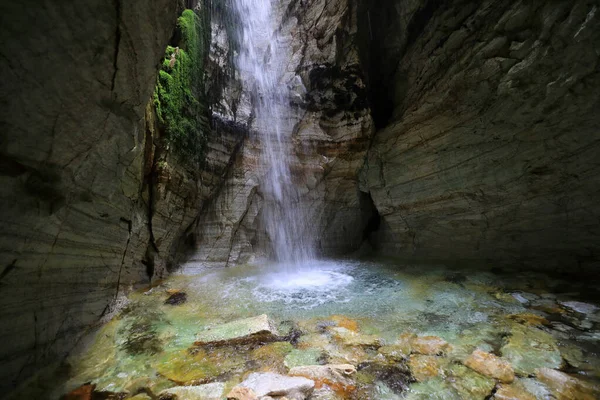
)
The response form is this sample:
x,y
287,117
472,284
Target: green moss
x,y
178,96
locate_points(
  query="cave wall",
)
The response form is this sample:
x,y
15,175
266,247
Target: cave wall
x,y
92,202
490,134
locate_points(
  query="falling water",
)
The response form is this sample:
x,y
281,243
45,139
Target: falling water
x,y
262,63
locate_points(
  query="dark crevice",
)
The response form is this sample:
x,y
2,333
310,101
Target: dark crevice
x,y
373,217
10,267
117,44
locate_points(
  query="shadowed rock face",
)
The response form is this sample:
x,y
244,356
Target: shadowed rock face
x,y
74,153
491,135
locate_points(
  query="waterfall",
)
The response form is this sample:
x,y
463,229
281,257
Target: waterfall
x,y
261,62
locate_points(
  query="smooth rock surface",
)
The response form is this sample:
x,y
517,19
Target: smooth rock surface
x,y
255,329
339,377
489,365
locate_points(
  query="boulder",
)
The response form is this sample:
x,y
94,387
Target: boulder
x,y
255,329
567,387
270,384
489,365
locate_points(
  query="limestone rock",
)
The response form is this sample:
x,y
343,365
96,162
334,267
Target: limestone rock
x,y
567,387
489,365
428,345
255,329
209,391
269,384
478,151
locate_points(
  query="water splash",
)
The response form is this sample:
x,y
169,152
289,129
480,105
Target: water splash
x,y
262,63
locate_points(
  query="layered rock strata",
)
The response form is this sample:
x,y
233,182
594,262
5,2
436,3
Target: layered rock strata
x,y
490,131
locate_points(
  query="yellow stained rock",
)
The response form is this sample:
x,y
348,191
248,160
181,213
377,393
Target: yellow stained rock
x,y
345,322
428,345
512,392
490,365
424,367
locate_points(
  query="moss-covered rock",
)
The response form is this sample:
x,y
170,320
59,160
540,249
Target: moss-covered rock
x,y
178,97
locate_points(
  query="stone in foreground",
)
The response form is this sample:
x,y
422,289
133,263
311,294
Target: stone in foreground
x,y
567,387
340,377
512,392
270,384
489,365
255,329
210,391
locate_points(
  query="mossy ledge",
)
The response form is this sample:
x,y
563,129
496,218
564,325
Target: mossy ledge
x,y
178,96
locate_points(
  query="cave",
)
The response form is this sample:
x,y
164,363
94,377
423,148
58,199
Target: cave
x,y
300,199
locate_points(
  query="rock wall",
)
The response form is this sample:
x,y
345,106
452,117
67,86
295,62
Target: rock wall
x,y
332,131
92,202
491,135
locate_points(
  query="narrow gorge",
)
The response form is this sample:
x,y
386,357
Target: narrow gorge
x,y
300,199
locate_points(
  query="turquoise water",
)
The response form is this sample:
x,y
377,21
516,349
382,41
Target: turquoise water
x,y
146,347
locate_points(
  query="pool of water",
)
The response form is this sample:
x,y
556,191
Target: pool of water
x,y
528,319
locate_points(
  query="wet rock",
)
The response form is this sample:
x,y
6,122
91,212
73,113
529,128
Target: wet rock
x,y
271,356
395,352
198,366
428,345
567,387
520,298
530,348
351,338
241,393
255,329
340,377
489,365
176,299
269,384
210,391
345,322
514,391
469,384
580,307
298,357
424,367
432,389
